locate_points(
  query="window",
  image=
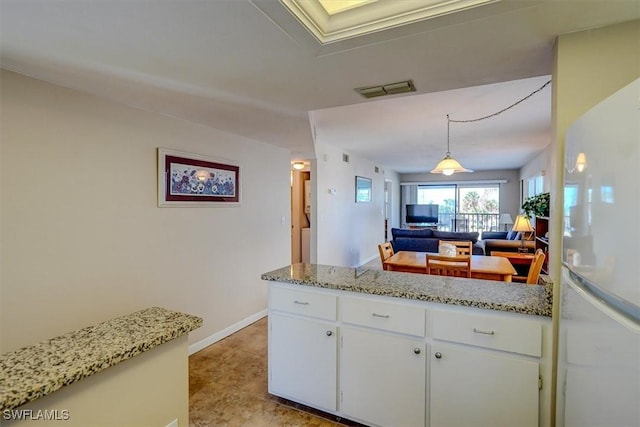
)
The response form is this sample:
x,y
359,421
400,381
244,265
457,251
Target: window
x,y
535,186
463,207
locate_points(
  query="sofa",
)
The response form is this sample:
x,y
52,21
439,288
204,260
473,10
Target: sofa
x,y
428,240
504,241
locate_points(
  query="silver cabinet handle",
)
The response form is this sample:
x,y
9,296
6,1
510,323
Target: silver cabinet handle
x,y
329,333
478,331
438,355
417,350
383,316
300,302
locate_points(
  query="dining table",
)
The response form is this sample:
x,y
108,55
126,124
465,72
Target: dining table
x,y
482,266
520,261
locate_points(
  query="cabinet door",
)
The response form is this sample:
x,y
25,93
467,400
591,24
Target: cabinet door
x,y
383,378
303,360
480,388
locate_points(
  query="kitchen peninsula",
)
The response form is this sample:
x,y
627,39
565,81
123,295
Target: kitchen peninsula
x,y
386,348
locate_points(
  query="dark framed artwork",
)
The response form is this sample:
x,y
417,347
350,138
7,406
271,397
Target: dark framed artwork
x,y
186,179
363,189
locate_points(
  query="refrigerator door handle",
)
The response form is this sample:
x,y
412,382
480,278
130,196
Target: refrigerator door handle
x,y
624,312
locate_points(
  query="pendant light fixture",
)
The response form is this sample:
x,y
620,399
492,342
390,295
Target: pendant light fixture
x,y
449,165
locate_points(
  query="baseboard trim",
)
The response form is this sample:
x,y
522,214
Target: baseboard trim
x,y
195,347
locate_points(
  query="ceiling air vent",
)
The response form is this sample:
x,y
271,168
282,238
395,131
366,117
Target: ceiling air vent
x,y
388,89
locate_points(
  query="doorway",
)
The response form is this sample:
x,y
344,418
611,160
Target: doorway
x,y
301,220
387,208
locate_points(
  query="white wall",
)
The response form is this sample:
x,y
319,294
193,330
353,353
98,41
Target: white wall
x,y
83,239
347,233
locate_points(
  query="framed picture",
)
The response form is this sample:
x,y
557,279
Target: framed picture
x,y
192,180
363,189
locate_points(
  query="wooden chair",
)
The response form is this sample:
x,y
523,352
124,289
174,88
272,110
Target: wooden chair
x,y
386,251
463,247
536,267
457,266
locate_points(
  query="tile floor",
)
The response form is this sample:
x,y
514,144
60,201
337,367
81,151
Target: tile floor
x,y
228,387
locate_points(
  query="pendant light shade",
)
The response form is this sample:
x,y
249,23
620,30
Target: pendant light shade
x,y
449,165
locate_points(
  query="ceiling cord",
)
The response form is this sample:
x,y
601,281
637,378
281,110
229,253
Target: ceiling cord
x,y
503,110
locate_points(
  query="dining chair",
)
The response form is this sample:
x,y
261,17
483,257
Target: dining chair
x,y
536,267
386,251
463,247
457,266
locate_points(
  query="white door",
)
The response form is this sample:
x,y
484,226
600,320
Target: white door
x,y
303,360
480,388
383,378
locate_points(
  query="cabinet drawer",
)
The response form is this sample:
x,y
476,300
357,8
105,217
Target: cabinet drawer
x,y
501,333
306,303
383,315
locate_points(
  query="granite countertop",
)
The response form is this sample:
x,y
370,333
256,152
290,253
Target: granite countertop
x,y
32,372
503,296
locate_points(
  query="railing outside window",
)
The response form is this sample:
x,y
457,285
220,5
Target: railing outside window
x,y
469,222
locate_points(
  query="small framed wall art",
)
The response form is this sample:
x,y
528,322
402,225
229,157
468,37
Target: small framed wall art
x,y
186,179
363,189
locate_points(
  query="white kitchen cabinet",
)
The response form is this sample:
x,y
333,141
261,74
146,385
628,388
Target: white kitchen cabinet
x,y
382,362
471,387
394,362
382,378
303,360
489,375
303,347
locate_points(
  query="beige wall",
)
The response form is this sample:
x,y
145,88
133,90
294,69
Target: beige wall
x,y
589,66
83,239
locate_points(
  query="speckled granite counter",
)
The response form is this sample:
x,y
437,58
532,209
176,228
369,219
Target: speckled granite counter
x,y
36,371
514,297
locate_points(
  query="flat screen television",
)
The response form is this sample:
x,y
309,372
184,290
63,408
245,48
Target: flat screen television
x,y
422,214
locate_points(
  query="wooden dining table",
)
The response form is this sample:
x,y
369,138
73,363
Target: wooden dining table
x,y
482,267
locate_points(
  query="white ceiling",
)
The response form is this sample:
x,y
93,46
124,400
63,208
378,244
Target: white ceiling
x,y
248,67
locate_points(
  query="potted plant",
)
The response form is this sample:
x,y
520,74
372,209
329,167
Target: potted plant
x,y
537,205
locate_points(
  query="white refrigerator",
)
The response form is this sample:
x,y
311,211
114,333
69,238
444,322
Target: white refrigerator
x,y
599,326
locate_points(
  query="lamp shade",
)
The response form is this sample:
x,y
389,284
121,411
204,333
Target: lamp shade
x,y
522,224
449,166
506,219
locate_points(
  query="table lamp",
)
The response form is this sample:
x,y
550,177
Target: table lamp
x,y
506,219
522,225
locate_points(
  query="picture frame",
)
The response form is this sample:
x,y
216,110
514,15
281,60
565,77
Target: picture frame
x,y
363,189
193,180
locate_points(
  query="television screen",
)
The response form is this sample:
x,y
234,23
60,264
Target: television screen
x,y
422,214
